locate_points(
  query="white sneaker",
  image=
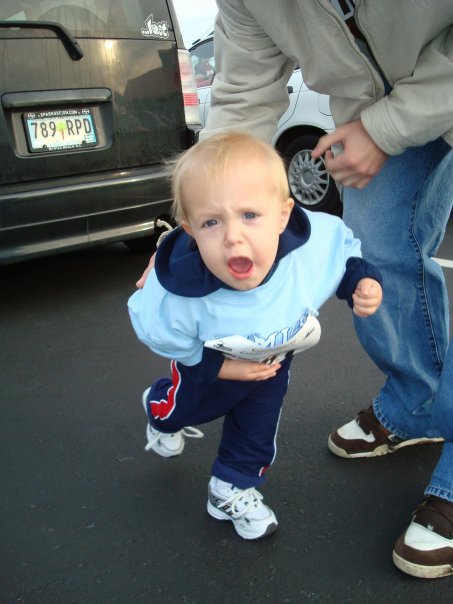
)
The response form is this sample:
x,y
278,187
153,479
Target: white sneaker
x,y
252,519
167,445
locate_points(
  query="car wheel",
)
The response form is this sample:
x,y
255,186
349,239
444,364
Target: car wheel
x,y
310,184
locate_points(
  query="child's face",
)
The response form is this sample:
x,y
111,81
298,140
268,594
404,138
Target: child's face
x,y
236,223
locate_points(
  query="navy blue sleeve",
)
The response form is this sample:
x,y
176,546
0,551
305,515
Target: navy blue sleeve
x,y
207,370
356,269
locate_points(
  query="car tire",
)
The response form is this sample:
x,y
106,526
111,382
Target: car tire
x,y
310,184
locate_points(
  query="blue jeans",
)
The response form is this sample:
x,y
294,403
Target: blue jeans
x,y
401,217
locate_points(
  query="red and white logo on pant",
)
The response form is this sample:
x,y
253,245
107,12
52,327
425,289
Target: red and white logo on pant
x,y
164,408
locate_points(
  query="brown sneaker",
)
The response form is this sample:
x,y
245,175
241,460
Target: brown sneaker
x,y
425,550
365,437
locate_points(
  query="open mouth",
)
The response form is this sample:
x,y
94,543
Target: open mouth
x,y
240,267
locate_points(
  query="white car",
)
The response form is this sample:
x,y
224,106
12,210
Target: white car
x,y
307,118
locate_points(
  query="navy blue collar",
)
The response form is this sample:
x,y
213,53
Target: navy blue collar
x,y
181,271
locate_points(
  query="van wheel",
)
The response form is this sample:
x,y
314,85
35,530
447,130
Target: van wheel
x,y
310,184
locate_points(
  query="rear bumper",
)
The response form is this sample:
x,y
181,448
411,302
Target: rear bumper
x,y
46,217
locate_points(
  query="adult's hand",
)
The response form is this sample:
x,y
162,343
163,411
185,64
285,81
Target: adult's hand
x,y
141,282
360,160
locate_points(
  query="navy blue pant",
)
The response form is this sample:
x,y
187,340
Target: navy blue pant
x,y
251,411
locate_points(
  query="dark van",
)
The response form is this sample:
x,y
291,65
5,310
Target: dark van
x,y
94,96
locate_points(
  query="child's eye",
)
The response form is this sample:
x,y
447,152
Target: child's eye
x,y
209,223
250,215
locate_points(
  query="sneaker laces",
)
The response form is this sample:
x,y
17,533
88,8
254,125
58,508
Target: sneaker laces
x,y
191,432
188,431
153,436
151,441
250,498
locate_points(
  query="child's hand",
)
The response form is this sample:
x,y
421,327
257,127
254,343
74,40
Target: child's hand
x,y
247,371
367,297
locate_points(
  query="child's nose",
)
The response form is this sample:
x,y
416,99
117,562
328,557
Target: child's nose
x,y
232,233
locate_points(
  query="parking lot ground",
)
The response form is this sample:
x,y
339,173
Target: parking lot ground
x,y
87,517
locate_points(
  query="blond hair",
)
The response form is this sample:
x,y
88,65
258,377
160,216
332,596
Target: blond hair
x,y
209,160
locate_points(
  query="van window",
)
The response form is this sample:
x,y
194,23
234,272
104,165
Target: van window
x,y
136,19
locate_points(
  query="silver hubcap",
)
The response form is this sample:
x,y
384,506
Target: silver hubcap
x,y
308,178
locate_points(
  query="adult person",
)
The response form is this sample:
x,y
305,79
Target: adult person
x,y
388,68
204,72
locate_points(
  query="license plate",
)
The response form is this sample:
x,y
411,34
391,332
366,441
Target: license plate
x,y
60,130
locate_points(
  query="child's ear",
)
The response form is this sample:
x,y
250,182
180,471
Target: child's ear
x,y
287,207
186,227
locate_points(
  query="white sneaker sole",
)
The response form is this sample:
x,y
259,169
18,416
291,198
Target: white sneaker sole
x,y
382,450
250,536
421,571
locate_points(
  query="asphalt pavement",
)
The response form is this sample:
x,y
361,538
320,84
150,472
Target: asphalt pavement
x,y
88,517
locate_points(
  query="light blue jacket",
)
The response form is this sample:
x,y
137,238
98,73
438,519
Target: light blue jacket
x,y
182,304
